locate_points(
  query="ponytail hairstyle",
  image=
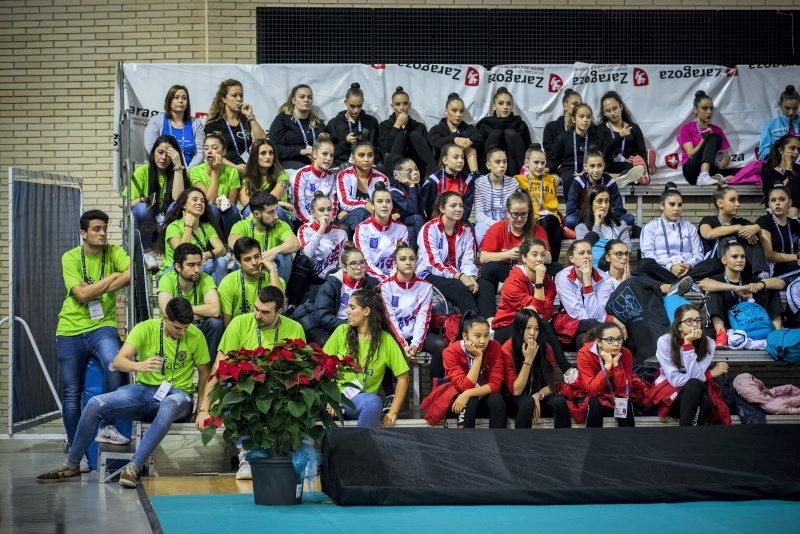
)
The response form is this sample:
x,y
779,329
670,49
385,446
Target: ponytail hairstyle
x,y
790,93
400,91
217,108
521,197
626,115
535,147
153,189
350,250
670,189
502,91
579,106
380,187
253,179
288,106
604,264
593,153
468,320
187,113
446,152
541,367
568,93
588,210
527,244
676,339
574,245
319,195
775,157
699,96
359,143
218,137
451,97
441,202
719,194
322,139
354,90
376,326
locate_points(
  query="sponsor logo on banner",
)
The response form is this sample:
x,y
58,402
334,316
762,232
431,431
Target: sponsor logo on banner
x,y
201,115
672,160
555,83
730,72
450,71
690,71
640,77
141,116
473,77
527,74
601,74
379,66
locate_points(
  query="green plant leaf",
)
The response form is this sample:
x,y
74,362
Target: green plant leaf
x,y
297,408
330,389
231,398
311,397
247,386
208,433
263,405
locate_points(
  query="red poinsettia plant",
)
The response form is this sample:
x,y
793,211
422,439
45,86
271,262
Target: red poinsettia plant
x,y
275,398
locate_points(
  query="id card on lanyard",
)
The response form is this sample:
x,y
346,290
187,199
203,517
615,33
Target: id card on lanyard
x,y
166,385
621,156
620,403
305,137
575,150
244,306
244,154
666,239
95,306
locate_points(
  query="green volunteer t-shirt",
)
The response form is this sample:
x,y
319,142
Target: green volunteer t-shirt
x,y
140,183
179,361
282,177
169,284
230,292
388,355
200,237
228,178
74,318
270,239
241,333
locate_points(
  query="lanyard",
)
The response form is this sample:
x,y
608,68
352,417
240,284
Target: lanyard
x,y
540,198
608,380
236,139
349,125
161,352
245,306
622,148
780,234
462,186
169,130
575,148
274,339
102,265
180,291
204,244
789,126
666,240
311,129
739,283
499,197
470,359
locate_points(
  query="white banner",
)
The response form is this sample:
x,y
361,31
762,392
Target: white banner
x,y
659,97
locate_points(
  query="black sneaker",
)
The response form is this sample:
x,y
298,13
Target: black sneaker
x,y
387,403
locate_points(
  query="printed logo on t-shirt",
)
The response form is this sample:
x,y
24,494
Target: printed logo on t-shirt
x,y
555,83
345,299
671,160
312,187
373,242
200,115
395,301
472,78
640,77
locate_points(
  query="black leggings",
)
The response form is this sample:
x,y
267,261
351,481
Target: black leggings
x,y
692,404
596,411
301,280
708,154
510,141
413,145
520,407
434,345
492,406
495,272
549,337
484,303
555,234
704,269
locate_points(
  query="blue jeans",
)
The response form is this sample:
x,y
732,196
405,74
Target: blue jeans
x,y
73,353
144,220
212,328
354,217
224,219
414,224
217,268
368,409
134,402
284,263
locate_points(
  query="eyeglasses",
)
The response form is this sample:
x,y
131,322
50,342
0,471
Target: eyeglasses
x,y
619,254
692,322
612,340
354,264
515,215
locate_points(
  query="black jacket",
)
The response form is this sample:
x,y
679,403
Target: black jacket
x,y
639,304
552,130
387,135
634,143
561,155
440,135
491,123
407,201
286,135
339,128
329,297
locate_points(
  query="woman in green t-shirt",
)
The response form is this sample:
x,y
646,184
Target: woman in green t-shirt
x,y
189,221
265,172
366,338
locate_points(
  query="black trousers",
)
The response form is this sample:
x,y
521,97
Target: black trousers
x,y
501,335
596,412
691,169
301,280
704,269
434,345
520,407
555,234
495,272
413,145
484,303
510,141
492,406
693,404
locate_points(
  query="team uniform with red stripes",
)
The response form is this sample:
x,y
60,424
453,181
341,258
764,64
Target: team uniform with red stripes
x,y
378,243
307,181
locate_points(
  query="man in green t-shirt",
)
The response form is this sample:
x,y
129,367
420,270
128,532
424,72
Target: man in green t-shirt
x,y
87,323
187,280
168,351
238,289
275,236
265,327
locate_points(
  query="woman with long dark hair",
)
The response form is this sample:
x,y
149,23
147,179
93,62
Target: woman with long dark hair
x,y
265,173
786,123
781,168
219,182
529,374
627,148
366,338
599,218
704,147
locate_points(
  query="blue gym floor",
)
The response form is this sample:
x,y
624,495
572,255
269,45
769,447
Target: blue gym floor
x,y
198,514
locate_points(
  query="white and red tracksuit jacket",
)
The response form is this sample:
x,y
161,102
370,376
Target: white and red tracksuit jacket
x,y
324,250
408,309
377,243
347,187
307,181
444,255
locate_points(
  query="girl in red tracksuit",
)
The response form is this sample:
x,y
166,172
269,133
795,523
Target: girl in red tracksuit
x,y
449,178
474,365
605,372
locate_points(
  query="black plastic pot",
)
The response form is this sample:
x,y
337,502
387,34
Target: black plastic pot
x,y
275,481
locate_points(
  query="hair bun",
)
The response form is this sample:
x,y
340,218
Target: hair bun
x,y
398,89
502,89
380,186
699,93
324,137
789,89
319,194
535,146
670,186
568,91
349,245
355,85
453,95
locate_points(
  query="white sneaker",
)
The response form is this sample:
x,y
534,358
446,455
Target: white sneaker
x,y
110,434
84,465
150,261
630,177
706,179
230,261
244,472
